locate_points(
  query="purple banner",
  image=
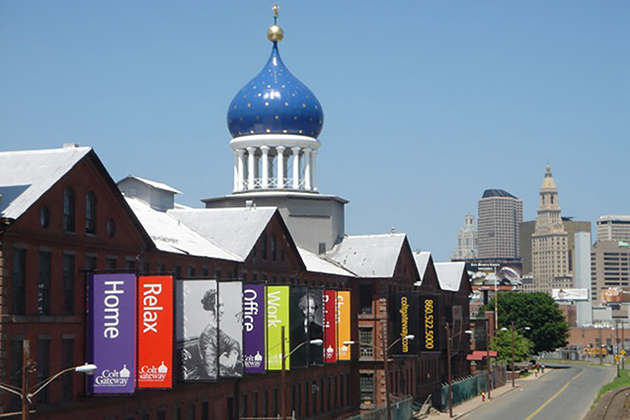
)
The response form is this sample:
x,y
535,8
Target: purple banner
x,y
112,337
254,327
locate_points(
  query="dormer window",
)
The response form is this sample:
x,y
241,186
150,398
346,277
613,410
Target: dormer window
x,y
90,213
68,209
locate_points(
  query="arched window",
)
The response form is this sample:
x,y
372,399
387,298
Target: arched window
x,y
90,213
68,209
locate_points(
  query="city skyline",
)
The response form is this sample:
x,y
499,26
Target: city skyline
x,y
425,105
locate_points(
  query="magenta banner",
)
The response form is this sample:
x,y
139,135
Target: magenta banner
x,y
112,336
254,327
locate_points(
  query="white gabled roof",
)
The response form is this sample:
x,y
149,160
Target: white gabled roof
x,y
170,235
422,260
450,274
26,176
234,229
316,264
369,255
154,184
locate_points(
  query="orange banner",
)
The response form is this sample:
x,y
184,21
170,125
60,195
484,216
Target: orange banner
x,y
155,332
343,325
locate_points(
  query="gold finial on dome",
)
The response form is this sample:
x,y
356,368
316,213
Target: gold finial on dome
x,y
275,33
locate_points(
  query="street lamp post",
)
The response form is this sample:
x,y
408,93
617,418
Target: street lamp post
x,y
386,369
449,340
25,393
283,385
513,329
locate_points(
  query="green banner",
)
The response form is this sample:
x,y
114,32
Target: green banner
x,y
277,317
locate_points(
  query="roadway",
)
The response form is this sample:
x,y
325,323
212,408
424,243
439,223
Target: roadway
x,y
565,393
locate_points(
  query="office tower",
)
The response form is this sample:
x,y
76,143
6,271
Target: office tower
x,y
466,240
610,267
527,229
550,262
582,276
499,215
613,228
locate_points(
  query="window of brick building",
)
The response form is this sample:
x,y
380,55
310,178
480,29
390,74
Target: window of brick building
x,y
242,412
366,386
90,213
366,294
263,246
111,263
15,376
18,282
255,404
366,342
265,403
205,410
68,209
43,367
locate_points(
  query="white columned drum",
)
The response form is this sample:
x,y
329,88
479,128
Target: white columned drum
x,y
265,166
296,167
280,169
250,167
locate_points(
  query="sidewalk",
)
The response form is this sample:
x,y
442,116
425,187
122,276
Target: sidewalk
x,y
471,405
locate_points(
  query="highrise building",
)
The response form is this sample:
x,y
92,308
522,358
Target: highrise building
x,y
610,267
613,228
499,215
582,276
527,229
550,262
466,240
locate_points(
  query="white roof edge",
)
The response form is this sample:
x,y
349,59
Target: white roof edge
x,y
155,184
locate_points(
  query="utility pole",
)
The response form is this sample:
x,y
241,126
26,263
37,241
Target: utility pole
x,y
26,355
601,345
617,360
448,366
489,366
386,370
283,378
623,345
513,373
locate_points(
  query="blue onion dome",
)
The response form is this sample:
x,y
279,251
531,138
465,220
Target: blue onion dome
x,y
275,102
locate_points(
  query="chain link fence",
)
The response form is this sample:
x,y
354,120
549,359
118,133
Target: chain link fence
x,y
401,410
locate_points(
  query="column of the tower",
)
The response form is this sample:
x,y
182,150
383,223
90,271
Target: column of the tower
x,y
313,156
236,175
265,166
250,167
240,169
280,176
296,167
307,169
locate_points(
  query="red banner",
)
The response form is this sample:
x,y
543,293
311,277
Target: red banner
x,y
330,326
155,332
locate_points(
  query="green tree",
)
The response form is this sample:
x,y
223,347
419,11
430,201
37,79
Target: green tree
x,y
502,344
549,329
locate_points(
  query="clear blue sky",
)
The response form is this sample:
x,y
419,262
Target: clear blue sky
x,y
427,103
